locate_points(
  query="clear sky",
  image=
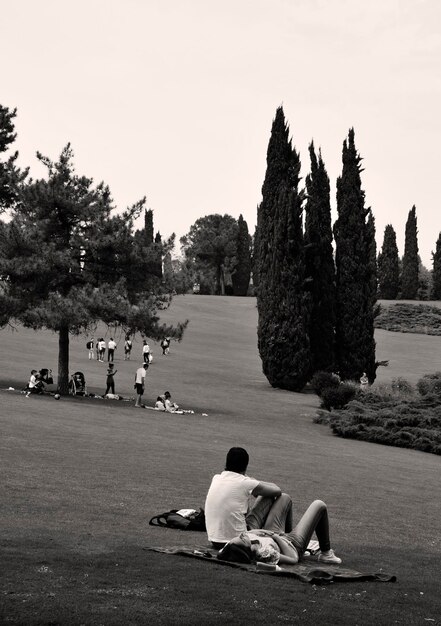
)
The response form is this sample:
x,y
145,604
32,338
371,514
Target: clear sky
x,y
175,99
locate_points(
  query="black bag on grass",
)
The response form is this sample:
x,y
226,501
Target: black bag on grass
x,y
173,519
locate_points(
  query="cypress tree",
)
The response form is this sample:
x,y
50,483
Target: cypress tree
x,y
148,227
320,268
409,276
436,256
355,272
241,275
255,259
282,303
389,266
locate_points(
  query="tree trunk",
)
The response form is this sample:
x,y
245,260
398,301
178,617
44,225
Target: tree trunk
x,y
222,281
63,361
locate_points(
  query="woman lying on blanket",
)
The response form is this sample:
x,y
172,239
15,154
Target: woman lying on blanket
x,y
274,547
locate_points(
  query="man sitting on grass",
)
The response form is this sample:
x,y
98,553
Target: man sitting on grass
x,y
227,510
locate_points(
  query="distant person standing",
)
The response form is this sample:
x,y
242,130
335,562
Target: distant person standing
x,y
127,348
140,383
110,382
102,349
111,347
364,381
90,345
165,345
145,351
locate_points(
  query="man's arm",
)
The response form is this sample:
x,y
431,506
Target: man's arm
x,y
269,490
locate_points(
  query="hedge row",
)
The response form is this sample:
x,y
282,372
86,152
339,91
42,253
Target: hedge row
x,y
410,318
398,415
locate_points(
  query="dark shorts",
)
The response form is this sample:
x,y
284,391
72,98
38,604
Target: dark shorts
x,y
139,389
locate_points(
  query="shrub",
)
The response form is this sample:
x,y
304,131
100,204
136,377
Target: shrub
x,y
430,384
401,385
324,380
338,397
410,318
407,421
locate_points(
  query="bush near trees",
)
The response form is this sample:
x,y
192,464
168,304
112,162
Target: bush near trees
x,y
319,262
66,262
355,272
411,261
410,318
395,416
282,301
389,266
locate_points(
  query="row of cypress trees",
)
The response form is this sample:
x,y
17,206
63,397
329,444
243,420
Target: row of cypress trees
x,y
314,313
403,280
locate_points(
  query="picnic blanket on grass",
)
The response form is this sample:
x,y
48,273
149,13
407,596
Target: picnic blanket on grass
x,y
308,571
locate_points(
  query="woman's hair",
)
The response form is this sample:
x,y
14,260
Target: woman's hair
x,y
237,550
237,460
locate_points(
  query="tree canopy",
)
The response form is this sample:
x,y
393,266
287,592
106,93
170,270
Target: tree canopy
x,y
389,266
411,261
242,271
68,261
320,269
211,244
282,301
355,258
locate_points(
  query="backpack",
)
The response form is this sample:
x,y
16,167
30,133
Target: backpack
x,y
89,345
172,519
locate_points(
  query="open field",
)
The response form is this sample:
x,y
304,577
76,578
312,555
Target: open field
x,y
81,478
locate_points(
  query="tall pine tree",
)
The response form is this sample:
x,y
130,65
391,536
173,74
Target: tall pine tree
x,y
10,176
389,266
241,274
436,256
320,269
68,263
409,276
355,271
281,299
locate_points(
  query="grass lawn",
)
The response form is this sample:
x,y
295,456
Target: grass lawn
x,y
81,478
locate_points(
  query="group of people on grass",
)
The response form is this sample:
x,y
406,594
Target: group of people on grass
x,y
99,347
263,532
163,402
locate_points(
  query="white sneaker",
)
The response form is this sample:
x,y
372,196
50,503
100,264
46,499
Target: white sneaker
x,y
329,557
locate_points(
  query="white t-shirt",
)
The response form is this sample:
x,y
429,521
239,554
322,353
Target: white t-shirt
x,y
226,505
146,348
111,345
140,375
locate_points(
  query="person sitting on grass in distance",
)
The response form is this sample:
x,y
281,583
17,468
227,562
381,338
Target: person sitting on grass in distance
x,y
227,510
276,547
160,403
170,406
35,384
